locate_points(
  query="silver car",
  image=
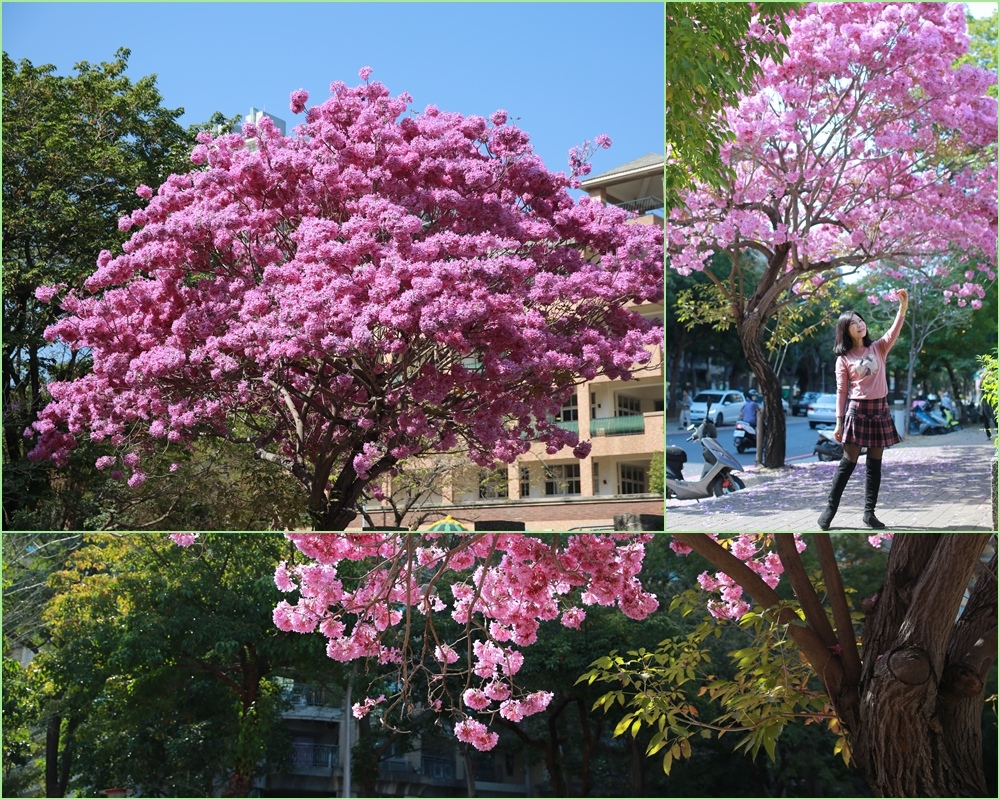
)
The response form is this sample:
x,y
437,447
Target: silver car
x,y
822,411
726,405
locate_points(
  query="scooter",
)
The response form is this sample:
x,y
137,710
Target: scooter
x,y
827,448
716,476
942,416
922,422
744,437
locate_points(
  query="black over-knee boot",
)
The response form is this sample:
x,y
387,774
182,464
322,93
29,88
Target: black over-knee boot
x,y
873,481
840,478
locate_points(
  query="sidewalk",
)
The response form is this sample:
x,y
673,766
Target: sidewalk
x,y
929,483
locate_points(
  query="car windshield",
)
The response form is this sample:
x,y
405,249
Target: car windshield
x,y
704,397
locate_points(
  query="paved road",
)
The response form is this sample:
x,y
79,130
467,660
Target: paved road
x,y
930,483
799,442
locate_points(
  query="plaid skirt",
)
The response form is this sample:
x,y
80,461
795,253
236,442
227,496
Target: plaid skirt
x,y
869,423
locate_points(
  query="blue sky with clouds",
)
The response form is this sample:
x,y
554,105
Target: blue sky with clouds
x,y
568,71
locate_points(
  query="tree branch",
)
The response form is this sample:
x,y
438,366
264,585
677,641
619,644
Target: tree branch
x,y
846,637
828,668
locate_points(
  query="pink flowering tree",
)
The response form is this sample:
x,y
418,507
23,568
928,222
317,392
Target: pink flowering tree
x,y
865,146
382,285
900,675
450,614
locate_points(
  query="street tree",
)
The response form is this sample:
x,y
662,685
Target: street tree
x,y
74,149
381,285
864,146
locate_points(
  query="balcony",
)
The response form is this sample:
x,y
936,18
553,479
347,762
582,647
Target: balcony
x,y
569,425
314,759
618,426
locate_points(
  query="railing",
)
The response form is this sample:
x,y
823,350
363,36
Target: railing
x,y
569,425
618,426
437,767
307,757
641,204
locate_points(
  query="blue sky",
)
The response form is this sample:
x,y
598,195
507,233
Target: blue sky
x,y
567,71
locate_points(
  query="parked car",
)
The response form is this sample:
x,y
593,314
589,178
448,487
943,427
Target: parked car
x,y
823,411
800,406
726,406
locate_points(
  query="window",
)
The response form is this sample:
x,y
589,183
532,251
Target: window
x,y
633,480
570,411
628,407
562,479
524,478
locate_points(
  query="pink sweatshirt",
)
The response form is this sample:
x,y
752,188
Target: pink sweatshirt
x,y
861,371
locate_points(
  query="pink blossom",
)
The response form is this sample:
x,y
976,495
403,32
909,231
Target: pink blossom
x,y
863,197
363,709
477,734
184,539
45,293
226,296
476,699
299,98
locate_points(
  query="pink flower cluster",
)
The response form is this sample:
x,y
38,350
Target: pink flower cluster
x,y
512,583
184,539
755,550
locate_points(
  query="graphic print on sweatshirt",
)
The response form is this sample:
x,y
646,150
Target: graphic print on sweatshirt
x,y
866,366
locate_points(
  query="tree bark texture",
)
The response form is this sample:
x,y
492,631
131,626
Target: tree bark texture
x,y
771,445
923,679
912,704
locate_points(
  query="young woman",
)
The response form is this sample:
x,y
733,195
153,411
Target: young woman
x,y
863,418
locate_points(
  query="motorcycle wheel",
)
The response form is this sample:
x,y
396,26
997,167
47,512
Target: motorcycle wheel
x,y
722,487
741,448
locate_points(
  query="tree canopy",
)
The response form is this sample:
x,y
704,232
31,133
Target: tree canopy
x,y
379,286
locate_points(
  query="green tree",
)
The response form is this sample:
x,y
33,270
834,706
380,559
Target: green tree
x,y
160,673
74,150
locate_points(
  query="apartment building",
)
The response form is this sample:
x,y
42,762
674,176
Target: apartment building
x,y
426,767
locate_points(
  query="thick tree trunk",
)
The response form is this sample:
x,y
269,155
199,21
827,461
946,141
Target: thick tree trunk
x,y
922,688
911,705
772,447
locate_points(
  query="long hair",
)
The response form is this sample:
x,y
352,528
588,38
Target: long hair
x,y
842,342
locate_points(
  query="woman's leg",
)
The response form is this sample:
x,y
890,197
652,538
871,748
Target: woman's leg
x,y
873,482
840,479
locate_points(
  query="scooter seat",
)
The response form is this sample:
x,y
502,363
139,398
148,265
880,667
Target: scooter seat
x,y
674,453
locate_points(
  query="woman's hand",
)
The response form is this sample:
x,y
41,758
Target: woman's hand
x,y
904,297
838,432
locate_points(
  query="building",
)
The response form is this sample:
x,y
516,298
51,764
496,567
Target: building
x,y
427,768
624,421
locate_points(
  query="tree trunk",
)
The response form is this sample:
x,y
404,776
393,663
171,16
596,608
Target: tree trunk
x,y
911,705
923,678
470,772
58,755
771,446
